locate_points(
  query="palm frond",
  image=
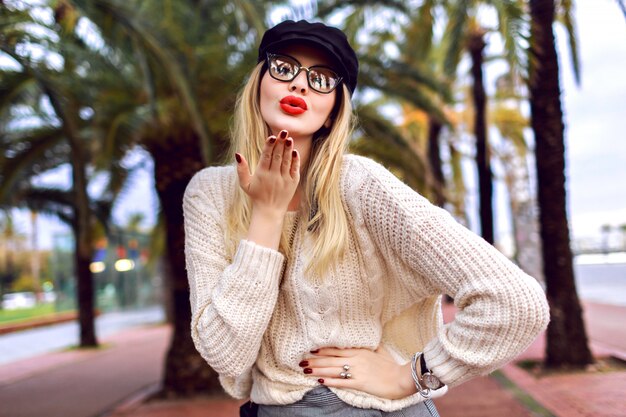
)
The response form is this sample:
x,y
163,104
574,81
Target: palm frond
x,y
147,37
514,29
564,14
31,152
454,36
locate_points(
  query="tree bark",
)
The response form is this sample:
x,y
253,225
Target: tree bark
x,y
67,110
186,372
476,45
566,337
434,159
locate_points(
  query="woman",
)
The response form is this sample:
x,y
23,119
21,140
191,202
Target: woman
x,y
316,276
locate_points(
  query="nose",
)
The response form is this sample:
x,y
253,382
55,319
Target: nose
x,y
300,83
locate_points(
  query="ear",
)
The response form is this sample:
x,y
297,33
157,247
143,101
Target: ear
x,y
328,123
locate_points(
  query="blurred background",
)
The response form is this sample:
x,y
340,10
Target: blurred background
x,y
108,107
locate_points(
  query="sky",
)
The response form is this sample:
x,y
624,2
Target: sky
x,y
595,116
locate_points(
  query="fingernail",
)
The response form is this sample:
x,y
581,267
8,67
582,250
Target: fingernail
x,y
304,363
316,350
238,158
321,381
272,139
283,134
294,154
308,370
288,143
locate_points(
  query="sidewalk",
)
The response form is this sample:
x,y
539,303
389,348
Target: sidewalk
x,y
84,383
115,381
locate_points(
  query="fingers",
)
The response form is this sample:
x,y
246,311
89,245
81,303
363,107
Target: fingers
x,y
287,158
266,154
243,171
295,165
277,153
332,351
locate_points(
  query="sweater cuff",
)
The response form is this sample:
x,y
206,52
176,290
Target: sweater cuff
x,y
449,370
253,260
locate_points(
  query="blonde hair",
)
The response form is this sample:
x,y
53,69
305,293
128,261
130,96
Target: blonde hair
x,y
326,216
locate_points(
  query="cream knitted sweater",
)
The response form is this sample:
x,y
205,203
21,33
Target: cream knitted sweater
x,y
403,253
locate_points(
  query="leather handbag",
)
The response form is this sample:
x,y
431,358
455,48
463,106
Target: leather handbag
x,y
249,409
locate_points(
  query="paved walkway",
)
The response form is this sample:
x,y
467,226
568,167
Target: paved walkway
x,y
84,383
34,342
118,377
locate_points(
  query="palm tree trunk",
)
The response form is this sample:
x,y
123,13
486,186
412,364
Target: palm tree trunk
x,y
476,45
67,110
85,293
186,372
566,337
434,159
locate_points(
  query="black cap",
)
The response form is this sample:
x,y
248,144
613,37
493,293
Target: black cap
x,y
331,39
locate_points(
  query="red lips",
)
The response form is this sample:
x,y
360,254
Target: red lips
x,y
293,105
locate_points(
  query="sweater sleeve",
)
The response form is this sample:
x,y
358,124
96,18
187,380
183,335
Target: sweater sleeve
x,y
232,301
500,308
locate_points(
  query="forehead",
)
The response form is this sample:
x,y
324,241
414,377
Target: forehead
x,y
308,55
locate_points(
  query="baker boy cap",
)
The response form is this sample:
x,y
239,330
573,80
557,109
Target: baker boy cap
x,y
330,39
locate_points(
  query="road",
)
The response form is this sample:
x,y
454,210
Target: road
x,y
33,342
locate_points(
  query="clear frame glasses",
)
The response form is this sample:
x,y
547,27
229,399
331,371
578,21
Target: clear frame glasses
x,y
285,68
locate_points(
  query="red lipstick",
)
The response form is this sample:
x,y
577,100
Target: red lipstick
x,y
293,105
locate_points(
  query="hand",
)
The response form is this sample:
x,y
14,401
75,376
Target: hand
x,y
374,372
276,177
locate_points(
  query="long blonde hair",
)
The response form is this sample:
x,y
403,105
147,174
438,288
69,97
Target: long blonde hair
x,y
325,213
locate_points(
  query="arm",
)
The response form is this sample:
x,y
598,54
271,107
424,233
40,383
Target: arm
x,y
501,309
231,301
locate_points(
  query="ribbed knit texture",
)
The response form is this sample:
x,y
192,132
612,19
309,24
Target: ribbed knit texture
x,y
403,253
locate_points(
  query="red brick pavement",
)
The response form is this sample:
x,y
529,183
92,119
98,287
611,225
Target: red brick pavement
x,y
581,394
564,395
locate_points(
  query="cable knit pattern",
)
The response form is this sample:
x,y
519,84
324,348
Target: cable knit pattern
x,y
403,253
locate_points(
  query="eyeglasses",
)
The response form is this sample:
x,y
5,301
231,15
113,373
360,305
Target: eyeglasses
x,y
286,68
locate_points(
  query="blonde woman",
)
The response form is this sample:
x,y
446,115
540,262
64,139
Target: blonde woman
x,y
316,276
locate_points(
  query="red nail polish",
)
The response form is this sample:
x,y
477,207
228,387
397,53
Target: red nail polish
x,y
283,134
308,370
321,381
304,363
272,139
238,158
288,143
294,154
316,350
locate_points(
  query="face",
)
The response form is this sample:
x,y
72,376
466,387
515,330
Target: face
x,y
279,116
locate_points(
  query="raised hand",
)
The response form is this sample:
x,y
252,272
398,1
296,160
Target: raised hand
x,y
276,177
271,188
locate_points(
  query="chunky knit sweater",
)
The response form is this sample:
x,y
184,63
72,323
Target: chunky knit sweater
x,y
403,253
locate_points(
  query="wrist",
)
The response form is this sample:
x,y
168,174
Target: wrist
x,y
405,380
268,214
265,227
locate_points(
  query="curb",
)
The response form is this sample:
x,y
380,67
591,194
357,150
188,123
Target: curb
x,y
57,318
132,402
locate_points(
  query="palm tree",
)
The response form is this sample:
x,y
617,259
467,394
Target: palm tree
x,y
567,339
59,138
406,81
464,31
182,63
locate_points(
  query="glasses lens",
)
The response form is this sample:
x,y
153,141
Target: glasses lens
x,y
323,79
282,67
285,68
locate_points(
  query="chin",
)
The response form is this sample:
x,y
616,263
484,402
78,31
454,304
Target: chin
x,y
293,126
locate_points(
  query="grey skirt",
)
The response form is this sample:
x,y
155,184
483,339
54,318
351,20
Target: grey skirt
x,y
321,401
